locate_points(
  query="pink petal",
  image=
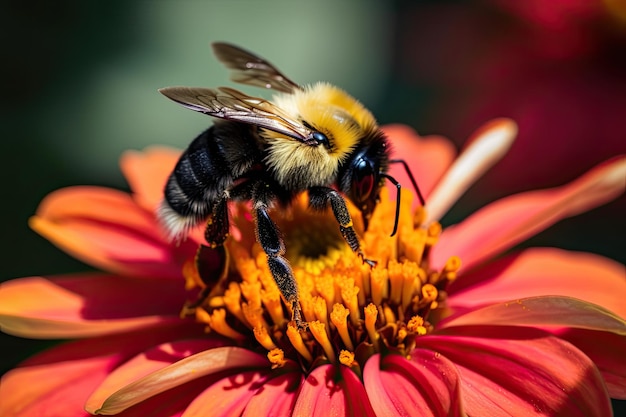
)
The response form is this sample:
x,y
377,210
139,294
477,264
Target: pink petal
x,y
606,350
332,391
277,396
426,385
147,172
509,221
228,396
87,305
58,381
542,311
146,363
520,372
105,228
543,271
201,364
428,157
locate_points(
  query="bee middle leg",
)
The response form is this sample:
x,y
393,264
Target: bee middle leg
x,y
272,243
319,198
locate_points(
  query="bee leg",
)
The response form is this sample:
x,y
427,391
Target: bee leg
x,y
212,261
269,237
319,198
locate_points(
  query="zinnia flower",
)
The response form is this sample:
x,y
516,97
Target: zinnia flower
x,y
449,322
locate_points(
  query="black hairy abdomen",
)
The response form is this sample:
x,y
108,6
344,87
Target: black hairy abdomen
x,y
209,166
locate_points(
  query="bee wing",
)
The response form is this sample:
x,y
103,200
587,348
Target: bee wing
x,y
231,104
250,69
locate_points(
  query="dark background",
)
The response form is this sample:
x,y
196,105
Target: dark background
x,y
79,84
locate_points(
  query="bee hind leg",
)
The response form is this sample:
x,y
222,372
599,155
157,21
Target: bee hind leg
x,y
212,260
319,198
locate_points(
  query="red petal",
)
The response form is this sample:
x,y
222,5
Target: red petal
x,y
332,391
58,381
426,385
517,371
606,350
107,229
228,396
509,221
146,363
147,173
87,305
277,396
196,366
428,157
541,311
543,271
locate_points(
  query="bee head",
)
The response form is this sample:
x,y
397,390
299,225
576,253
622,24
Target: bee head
x,y
363,174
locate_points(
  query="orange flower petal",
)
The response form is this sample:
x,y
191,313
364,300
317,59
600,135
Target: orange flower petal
x,y
543,271
146,363
509,221
105,228
335,391
542,311
58,381
427,156
86,306
201,364
147,172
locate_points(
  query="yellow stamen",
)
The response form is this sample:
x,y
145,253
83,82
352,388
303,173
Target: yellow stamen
x,y
429,293
349,295
450,269
325,286
379,280
263,337
346,358
276,357
271,301
414,244
252,292
371,314
254,315
295,338
320,309
318,330
232,301
416,325
339,318
218,323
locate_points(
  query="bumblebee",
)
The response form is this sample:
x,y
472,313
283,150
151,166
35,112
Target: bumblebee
x,y
314,138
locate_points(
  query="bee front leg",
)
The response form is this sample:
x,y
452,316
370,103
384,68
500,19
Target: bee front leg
x,y
269,237
319,198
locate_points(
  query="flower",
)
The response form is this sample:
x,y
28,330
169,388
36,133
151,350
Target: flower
x,y
443,325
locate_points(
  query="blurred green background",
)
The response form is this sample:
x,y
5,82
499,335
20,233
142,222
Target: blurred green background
x,y
80,80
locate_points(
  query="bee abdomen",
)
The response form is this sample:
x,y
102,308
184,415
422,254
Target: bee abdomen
x,y
196,184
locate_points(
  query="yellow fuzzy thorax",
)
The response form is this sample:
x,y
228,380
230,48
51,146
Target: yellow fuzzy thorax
x,y
326,109
331,111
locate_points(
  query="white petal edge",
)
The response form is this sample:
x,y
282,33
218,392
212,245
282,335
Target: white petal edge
x,y
492,142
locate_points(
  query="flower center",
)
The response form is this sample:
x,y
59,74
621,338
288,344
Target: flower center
x,y
352,309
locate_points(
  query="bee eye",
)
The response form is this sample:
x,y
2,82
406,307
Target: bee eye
x,y
321,138
362,180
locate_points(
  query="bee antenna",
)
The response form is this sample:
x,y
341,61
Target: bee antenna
x,y
410,174
398,195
